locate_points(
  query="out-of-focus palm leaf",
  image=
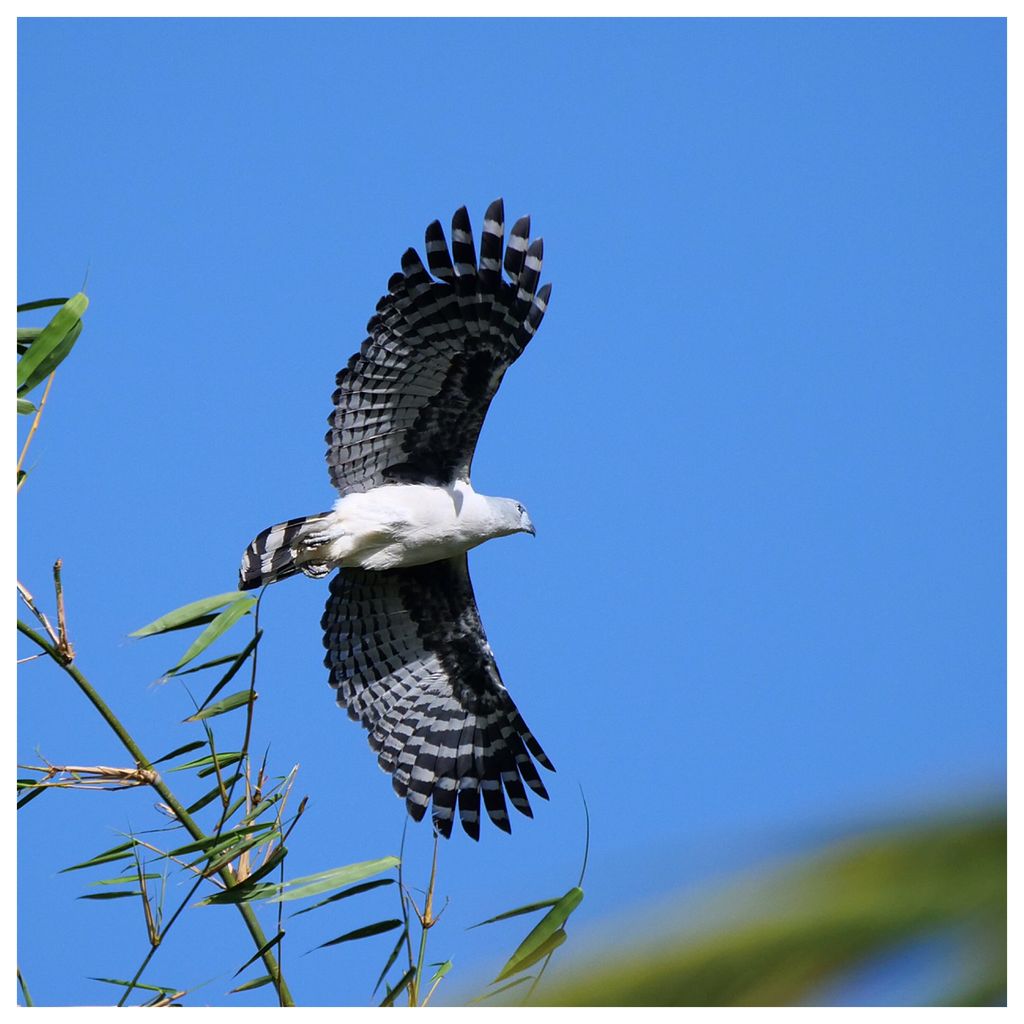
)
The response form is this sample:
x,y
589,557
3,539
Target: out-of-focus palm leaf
x,y
780,940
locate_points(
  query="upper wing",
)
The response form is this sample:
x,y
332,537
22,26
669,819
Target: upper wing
x,y
410,403
409,660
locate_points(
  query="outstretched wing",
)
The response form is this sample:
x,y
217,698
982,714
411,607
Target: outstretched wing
x,y
409,406
409,659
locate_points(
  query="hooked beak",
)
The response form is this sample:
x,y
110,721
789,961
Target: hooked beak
x,y
530,528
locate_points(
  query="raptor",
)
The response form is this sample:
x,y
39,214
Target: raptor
x,y
406,650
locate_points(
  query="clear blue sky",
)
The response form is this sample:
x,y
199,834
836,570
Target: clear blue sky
x,y
761,433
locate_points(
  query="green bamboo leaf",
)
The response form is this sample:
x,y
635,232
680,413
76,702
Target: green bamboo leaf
x,y
53,344
186,615
222,707
27,335
262,806
125,878
115,853
166,989
546,948
27,307
391,959
252,888
25,407
212,794
206,664
378,928
356,890
220,625
549,925
259,952
31,795
335,878
238,660
119,895
266,979
51,361
211,842
528,909
241,893
186,749
442,970
498,991
207,763
231,852
403,984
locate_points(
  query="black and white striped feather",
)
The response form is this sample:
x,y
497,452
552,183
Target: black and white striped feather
x,y
409,406
409,659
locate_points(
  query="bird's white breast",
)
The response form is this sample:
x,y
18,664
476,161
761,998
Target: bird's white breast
x,y
403,525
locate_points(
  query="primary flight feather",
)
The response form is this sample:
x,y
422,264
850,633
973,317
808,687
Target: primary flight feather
x,y
405,647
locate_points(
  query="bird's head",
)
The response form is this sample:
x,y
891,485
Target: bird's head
x,y
514,518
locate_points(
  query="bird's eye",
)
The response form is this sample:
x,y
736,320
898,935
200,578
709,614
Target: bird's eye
x,y
520,509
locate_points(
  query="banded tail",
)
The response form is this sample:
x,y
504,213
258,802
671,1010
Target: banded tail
x,y
272,555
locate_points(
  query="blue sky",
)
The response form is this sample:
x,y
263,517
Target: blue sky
x,y
761,433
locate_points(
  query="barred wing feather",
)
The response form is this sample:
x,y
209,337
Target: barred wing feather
x,y
409,659
409,405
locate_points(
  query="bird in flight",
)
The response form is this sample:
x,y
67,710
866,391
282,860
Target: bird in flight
x,y
406,650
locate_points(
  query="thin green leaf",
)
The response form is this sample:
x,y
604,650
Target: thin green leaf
x,y
53,344
51,361
356,890
546,948
27,307
220,625
115,853
528,909
261,807
335,878
186,615
222,707
124,878
223,761
237,850
442,970
259,952
241,893
207,763
549,925
403,983
212,794
186,749
255,983
36,791
239,660
207,664
211,842
119,895
252,888
25,407
498,991
378,928
391,959
166,989
27,335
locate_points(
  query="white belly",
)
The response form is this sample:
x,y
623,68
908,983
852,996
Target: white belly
x,y
400,525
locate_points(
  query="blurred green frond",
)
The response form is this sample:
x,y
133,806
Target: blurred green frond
x,y
780,940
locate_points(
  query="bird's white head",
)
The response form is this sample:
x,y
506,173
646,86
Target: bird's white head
x,y
512,517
